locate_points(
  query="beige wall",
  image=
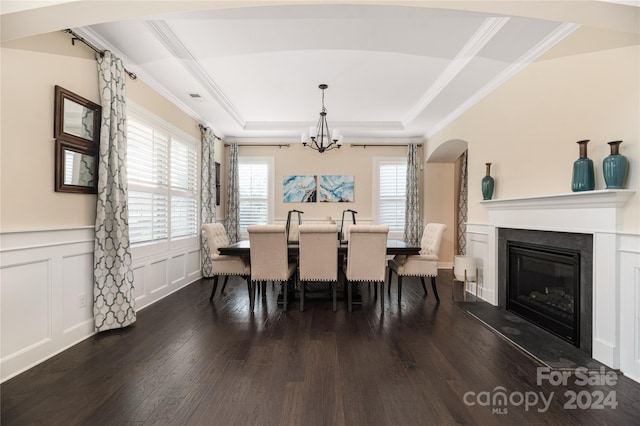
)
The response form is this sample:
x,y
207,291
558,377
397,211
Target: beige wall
x,y
439,204
528,127
297,159
30,70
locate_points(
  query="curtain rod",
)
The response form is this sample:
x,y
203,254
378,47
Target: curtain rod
x,y
202,127
75,37
279,145
364,145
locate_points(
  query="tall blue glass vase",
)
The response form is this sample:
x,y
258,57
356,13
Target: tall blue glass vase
x,y
487,184
614,167
583,177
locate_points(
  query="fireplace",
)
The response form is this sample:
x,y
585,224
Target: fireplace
x,y
546,278
543,286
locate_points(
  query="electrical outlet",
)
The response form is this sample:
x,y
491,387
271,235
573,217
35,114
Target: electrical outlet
x,y
82,300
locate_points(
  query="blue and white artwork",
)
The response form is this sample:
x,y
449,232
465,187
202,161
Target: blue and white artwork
x,y
336,189
299,189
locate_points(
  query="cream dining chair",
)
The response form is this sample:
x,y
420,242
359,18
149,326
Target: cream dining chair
x,y
223,265
269,258
421,265
366,258
318,258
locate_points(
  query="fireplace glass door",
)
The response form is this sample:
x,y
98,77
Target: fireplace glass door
x,y
543,286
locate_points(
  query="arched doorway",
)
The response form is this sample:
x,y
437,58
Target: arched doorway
x,y
446,169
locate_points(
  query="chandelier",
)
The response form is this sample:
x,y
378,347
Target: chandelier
x,y
319,137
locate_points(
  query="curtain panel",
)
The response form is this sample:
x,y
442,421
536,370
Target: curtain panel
x,y
233,196
412,223
207,195
461,218
113,293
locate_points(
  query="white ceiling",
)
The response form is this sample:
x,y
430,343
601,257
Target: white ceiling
x,y
395,74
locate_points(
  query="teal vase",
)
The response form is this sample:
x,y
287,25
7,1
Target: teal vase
x,y
583,176
487,184
614,167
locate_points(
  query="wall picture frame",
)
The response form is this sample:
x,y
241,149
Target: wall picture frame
x,y
336,189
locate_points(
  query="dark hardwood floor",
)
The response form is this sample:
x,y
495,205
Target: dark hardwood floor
x,y
186,361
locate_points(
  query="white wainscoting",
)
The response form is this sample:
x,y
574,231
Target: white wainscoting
x,y
46,290
629,284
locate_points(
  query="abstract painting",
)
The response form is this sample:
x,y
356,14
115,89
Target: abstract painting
x,y
299,189
336,189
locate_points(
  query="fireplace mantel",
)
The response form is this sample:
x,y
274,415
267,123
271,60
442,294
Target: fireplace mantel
x,y
605,198
585,212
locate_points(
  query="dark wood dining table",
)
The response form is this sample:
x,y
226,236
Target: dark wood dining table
x,y
394,247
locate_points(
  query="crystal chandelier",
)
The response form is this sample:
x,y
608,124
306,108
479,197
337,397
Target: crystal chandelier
x,y
319,137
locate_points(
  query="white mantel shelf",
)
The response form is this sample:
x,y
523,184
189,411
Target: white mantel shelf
x,y
604,198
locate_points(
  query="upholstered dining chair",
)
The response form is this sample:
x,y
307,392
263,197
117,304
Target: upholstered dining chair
x,y
269,258
318,257
421,265
224,265
366,258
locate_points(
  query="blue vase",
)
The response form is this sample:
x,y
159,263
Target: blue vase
x,y
614,167
583,177
487,184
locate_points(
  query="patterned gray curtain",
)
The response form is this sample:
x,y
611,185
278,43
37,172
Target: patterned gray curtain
x,y
207,195
412,222
462,206
113,291
233,196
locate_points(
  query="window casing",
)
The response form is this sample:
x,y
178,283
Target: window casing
x,y
255,187
162,168
390,177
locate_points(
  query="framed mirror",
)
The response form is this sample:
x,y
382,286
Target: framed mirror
x,y
76,128
76,119
76,168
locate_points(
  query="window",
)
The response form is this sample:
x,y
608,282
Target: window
x,y
255,185
390,197
162,168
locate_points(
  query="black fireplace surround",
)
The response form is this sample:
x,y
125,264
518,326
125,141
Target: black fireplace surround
x,y
546,277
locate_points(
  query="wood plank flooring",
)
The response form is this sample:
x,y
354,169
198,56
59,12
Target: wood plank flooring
x,y
188,361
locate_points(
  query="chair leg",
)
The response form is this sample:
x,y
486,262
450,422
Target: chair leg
x,y
381,296
349,295
424,287
264,289
435,289
284,298
375,289
252,289
215,286
335,296
224,284
453,282
399,287
389,288
302,296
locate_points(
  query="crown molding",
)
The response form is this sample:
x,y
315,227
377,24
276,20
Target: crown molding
x,y
302,125
489,28
172,43
96,40
551,40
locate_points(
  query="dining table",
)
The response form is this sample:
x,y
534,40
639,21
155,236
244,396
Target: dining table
x,y
394,247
